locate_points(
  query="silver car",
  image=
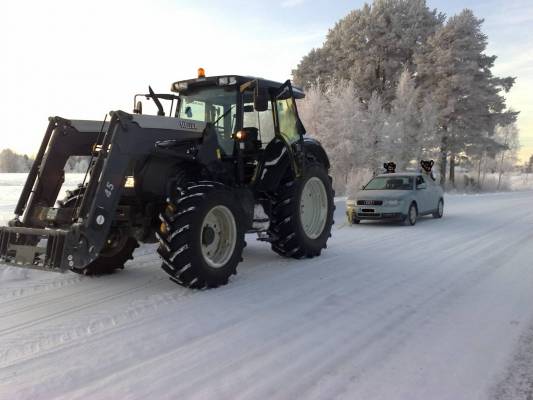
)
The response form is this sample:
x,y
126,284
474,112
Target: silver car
x,y
398,196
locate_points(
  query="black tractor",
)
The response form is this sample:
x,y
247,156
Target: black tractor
x,y
225,156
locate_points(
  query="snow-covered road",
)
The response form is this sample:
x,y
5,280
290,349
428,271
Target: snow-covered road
x,y
441,310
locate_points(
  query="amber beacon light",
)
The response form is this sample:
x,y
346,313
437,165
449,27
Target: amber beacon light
x,y
201,73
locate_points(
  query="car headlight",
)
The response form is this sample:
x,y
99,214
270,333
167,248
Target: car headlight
x,y
350,203
392,203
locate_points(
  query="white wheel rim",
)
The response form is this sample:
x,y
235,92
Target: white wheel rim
x,y
313,207
218,236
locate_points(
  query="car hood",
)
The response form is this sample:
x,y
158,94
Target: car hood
x,y
381,194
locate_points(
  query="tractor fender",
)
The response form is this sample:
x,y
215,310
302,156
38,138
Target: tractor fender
x,y
274,164
313,148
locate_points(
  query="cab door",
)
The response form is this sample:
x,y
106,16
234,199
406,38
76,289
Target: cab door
x,y
288,125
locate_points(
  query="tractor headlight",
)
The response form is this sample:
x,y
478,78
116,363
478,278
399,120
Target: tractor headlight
x,y
180,86
392,203
227,80
130,182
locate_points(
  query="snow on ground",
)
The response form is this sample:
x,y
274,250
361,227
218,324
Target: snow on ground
x,y
441,310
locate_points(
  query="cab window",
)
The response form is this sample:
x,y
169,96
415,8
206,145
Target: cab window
x,y
263,121
288,119
212,104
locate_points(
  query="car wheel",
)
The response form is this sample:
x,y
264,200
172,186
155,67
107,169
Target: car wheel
x,y
440,210
412,215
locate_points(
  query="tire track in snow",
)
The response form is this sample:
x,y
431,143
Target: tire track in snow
x,y
458,285
303,355
9,295
75,308
192,348
269,331
517,382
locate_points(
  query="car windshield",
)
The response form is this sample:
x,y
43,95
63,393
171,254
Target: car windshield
x,y
212,104
390,183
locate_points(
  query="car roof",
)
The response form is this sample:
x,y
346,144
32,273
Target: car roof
x,y
401,174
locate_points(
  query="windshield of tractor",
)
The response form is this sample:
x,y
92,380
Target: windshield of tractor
x,y
390,183
217,105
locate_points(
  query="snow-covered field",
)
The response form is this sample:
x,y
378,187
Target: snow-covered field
x,y
441,310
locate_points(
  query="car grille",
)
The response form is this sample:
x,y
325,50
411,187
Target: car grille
x,y
368,214
369,202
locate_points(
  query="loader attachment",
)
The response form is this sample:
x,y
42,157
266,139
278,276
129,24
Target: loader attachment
x,y
31,247
45,236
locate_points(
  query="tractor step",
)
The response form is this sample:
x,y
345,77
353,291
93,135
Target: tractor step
x,y
33,248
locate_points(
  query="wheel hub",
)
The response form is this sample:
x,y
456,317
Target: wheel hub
x,y
218,236
114,243
313,207
208,235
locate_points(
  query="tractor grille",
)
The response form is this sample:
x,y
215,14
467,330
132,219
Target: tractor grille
x,y
369,202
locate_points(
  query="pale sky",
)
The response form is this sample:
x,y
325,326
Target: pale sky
x,y
81,59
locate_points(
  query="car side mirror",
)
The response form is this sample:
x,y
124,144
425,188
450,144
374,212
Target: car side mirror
x,y
188,112
421,186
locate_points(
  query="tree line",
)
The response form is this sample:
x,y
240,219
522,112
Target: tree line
x,y
397,81
11,161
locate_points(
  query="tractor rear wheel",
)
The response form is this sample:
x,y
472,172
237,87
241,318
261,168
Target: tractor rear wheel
x,y
302,214
118,249
201,238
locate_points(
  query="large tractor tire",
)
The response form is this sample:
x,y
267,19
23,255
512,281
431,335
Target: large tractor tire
x,y
201,236
302,214
117,251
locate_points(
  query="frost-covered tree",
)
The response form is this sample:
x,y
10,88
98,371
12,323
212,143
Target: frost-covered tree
x,y
393,82
507,136
371,47
333,116
453,67
312,110
377,143
344,121
13,162
405,122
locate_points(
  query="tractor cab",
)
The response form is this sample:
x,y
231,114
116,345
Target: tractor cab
x,y
249,110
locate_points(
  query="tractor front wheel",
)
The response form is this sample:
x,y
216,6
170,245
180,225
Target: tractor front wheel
x,y
117,250
201,238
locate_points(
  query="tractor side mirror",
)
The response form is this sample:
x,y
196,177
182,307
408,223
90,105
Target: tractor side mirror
x,y
261,99
138,108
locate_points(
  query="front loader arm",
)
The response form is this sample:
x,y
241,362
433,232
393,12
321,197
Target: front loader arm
x,y
36,242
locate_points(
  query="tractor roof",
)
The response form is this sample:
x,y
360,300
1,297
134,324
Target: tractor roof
x,y
230,80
